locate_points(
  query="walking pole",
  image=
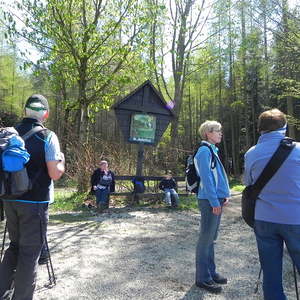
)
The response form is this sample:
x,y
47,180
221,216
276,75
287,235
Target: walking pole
x,y
258,281
3,241
295,279
52,279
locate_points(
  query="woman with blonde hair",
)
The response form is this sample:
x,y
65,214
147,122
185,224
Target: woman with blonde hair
x,y
213,193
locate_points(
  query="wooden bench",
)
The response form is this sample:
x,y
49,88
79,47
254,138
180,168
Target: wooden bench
x,y
151,191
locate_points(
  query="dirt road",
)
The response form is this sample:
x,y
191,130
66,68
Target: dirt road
x,y
146,254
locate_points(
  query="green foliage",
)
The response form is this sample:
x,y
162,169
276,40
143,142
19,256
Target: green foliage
x,y
15,86
68,200
8,119
189,203
86,45
236,185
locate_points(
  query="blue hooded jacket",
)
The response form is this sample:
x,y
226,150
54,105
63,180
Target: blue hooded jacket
x,y
213,182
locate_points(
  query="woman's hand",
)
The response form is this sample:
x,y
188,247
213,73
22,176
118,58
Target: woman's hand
x,y
94,187
217,210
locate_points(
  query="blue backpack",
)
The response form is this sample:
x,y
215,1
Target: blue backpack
x,y
191,177
14,180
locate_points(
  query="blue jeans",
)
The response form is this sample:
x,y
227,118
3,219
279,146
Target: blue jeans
x,y
205,254
168,193
102,196
270,238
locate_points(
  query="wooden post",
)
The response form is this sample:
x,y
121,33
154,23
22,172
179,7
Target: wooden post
x,y
139,169
140,160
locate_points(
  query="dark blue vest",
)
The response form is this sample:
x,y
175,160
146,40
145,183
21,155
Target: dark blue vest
x,y
36,167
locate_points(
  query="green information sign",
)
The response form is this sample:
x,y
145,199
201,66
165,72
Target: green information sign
x,y
142,128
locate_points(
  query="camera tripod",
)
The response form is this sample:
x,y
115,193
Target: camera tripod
x,y
52,279
295,281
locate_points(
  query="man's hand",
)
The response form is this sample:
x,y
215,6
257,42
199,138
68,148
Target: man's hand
x,y
217,210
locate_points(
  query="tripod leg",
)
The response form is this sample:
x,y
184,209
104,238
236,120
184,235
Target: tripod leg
x,y
9,294
295,280
3,241
257,281
52,279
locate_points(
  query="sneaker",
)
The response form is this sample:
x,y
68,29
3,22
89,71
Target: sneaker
x,y
220,279
210,286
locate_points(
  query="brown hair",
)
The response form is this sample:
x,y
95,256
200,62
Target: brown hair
x,y
271,120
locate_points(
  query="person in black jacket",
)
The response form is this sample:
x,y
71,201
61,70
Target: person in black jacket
x,y
169,186
103,183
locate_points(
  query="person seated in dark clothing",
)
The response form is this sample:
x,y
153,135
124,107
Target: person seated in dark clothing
x,y
103,183
169,186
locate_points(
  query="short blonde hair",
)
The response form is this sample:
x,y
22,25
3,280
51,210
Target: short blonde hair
x,y
103,162
208,126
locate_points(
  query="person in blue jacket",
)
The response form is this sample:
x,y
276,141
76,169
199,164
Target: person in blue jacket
x,y
277,209
212,195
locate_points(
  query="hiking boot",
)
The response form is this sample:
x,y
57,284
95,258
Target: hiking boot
x,y
220,279
210,286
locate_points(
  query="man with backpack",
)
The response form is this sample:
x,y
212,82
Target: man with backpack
x,y
277,208
27,215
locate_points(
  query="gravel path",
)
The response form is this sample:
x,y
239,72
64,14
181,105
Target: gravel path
x,y
146,254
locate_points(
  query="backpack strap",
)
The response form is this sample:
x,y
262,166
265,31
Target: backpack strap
x,y
32,131
213,158
280,155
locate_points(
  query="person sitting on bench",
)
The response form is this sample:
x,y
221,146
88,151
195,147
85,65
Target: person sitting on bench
x,y
169,186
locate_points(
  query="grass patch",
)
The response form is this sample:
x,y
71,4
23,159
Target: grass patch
x,y
67,217
236,185
68,200
188,203
185,203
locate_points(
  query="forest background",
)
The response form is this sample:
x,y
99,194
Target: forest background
x,y
226,60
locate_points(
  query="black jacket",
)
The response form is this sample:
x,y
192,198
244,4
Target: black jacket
x,y
96,177
36,167
168,184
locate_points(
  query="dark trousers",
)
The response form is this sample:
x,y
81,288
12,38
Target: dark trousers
x,y
102,198
26,225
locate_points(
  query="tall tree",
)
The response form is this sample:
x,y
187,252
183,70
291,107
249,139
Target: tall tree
x,y
184,29
86,43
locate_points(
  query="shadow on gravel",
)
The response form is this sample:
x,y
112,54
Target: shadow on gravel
x,y
69,217
82,232
193,294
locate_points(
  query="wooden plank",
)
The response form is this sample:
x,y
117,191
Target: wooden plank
x,y
144,194
149,178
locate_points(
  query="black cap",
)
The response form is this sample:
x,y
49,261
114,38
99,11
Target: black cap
x,y
36,98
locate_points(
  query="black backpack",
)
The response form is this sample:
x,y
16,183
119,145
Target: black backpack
x,y
14,180
191,178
